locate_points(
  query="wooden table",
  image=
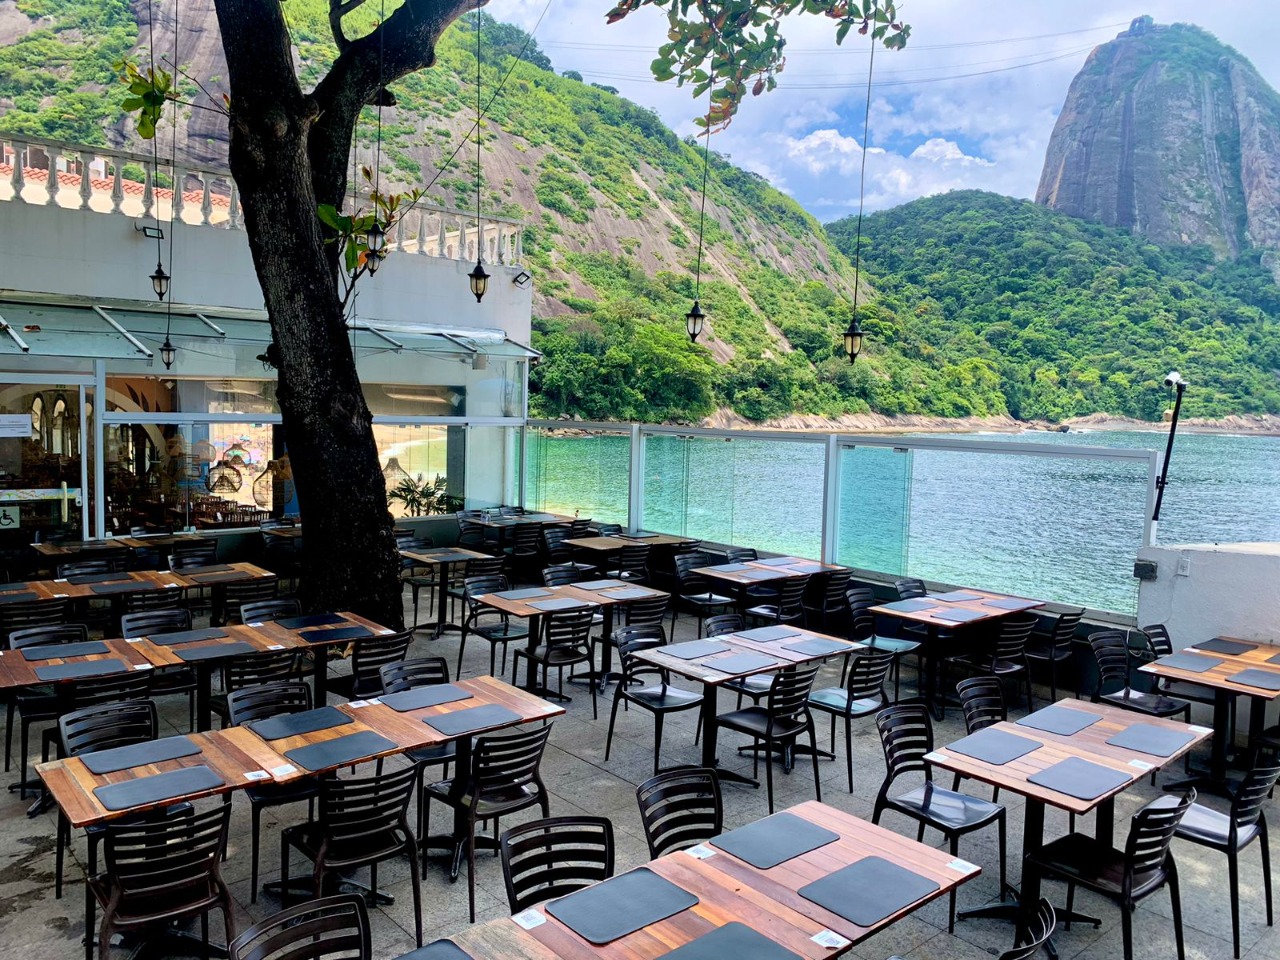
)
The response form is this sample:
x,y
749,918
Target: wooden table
x,y
1088,744
729,889
928,618
712,679
525,610
74,548
144,579
444,558
1218,679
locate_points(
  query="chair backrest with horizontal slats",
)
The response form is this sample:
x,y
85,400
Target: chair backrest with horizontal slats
x,y
560,574
1011,641
20,614
1254,790
78,568
1063,632
503,763
723,623
571,628
54,633
154,621
791,597
680,808
108,725
909,587
258,668
410,674
867,673
982,700
741,554
166,598
264,610
371,654
633,560
331,928
351,810
1158,639
906,735
1150,832
646,610
109,689
268,700
159,859
550,858
1111,654
789,693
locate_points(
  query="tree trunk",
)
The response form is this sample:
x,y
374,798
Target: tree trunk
x,y
349,558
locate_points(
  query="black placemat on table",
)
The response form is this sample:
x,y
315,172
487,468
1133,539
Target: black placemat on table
x,y
779,561
629,593
296,724
1262,679
758,574
139,754
61,651
216,651
733,940
310,620
1274,659
1079,778
818,647
157,787
599,584
79,671
16,585
523,594
341,633
207,568
457,722
639,536
340,750
806,567
729,567
437,950
429,696
693,649
19,597
1011,603
448,556
774,840
558,603
955,596
993,746
624,904
216,577
80,579
767,634
742,663
960,616
1060,720
866,892
178,637
1230,648
132,586
910,605
1191,662
1148,738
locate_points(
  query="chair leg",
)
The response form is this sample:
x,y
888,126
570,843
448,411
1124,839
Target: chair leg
x,y
8,735
60,855
951,914
417,889
613,717
255,812
1126,926
813,752
1233,880
768,776
1071,902
1175,900
471,868
1265,851
657,741
848,747
1002,839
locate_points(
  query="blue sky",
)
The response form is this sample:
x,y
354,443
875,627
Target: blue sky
x,y
971,102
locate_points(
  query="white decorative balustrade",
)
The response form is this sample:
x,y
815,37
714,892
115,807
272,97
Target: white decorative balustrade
x,y
42,172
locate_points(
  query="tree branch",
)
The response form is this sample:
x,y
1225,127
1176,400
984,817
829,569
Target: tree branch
x,y
337,10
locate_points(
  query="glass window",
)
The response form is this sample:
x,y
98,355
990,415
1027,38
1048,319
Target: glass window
x,y
492,459
873,518
155,394
41,482
582,471
415,462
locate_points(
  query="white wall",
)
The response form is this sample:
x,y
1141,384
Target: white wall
x,y
48,249
1228,589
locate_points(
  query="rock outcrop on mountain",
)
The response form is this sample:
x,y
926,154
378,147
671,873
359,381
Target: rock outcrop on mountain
x,y
1174,135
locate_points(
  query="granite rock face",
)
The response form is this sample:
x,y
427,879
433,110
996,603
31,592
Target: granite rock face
x,y
1174,135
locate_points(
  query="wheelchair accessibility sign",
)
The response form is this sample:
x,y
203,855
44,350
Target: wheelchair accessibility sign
x,y
10,516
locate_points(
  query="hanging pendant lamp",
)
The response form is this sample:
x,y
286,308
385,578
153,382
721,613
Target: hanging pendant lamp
x,y
853,335
478,279
695,319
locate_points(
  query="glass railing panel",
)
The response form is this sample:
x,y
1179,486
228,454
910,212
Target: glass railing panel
x,y
873,514
579,473
1063,529
489,461
666,488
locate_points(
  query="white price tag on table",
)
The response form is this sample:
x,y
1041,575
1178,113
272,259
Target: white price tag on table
x,y
529,919
700,852
831,940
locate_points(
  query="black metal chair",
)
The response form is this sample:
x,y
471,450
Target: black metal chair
x,y
1111,654
410,675
862,696
906,735
546,859
862,629
165,681
1231,832
259,703
474,567
369,656
159,871
982,702
659,698
631,564
555,552
193,553
608,529
1127,876
693,592
362,822
826,602
23,614
416,575
565,642
680,808
503,778
787,608
560,575
780,722
331,928
524,556
498,633
35,704
644,612
229,597
253,670
261,611
1160,644
1036,936
1005,655
1054,647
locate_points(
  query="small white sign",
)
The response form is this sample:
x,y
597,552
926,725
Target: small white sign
x,y
1142,765
276,646
10,516
283,770
700,852
142,666
15,425
256,775
1201,730
936,757
529,919
962,866
831,940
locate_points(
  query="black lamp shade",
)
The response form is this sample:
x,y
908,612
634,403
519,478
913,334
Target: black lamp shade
x,y
694,321
853,340
160,281
479,281
168,353
376,238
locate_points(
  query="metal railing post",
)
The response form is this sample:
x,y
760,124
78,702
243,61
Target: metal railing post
x,y
831,499
635,481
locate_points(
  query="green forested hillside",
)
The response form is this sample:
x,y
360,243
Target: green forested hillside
x,y
1057,317
981,305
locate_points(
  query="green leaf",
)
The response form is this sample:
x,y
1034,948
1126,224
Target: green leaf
x,y
330,217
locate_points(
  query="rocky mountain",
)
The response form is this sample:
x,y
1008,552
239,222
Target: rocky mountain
x,y
1173,135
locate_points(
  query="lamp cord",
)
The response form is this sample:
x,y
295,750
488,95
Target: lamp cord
x,y
173,172
862,178
479,227
377,157
155,147
706,158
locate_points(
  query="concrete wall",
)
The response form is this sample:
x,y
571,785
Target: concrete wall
x,y
1208,590
48,249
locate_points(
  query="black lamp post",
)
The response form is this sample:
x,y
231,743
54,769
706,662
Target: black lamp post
x,y
853,340
479,280
168,352
1174,379
694,321
160,281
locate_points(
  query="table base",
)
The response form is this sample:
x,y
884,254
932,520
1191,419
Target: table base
x,y
793,750
180,943
302,890
457,848
1013,913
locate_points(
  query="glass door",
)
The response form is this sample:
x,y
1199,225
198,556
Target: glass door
x,y
44,428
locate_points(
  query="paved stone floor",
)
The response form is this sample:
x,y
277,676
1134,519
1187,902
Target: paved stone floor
x,y
35,926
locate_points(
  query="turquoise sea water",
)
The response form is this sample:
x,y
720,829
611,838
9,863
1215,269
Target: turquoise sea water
x,y
1063,529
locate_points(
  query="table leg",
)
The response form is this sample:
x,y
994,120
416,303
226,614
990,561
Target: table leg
x,y
605,675
442,604
455,842
932,695
204,684
531,684
1216,781
320,675
710,736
